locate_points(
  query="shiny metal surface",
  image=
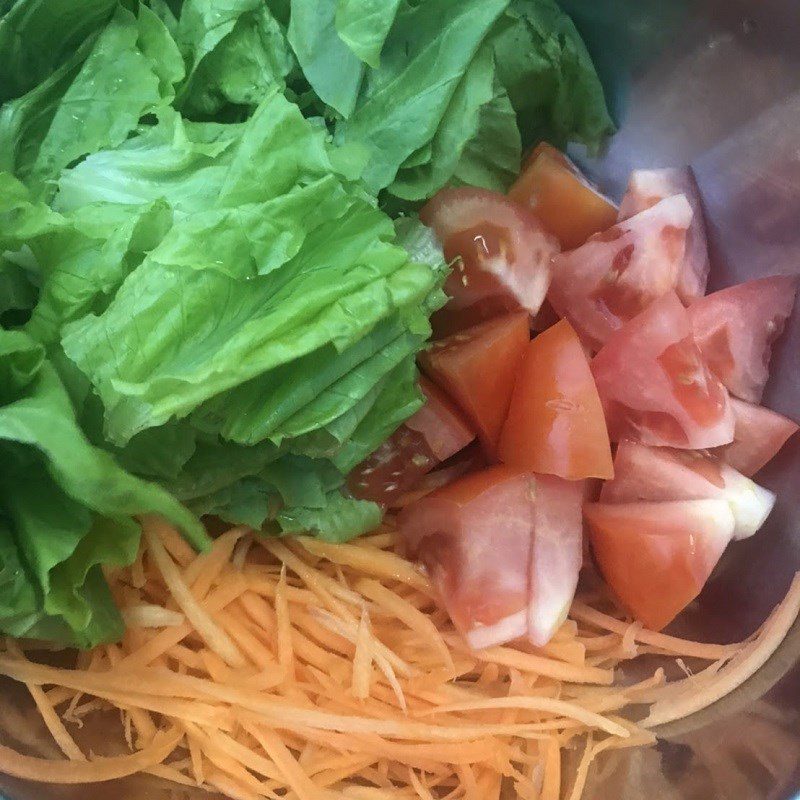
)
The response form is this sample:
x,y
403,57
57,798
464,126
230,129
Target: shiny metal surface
x,y
715,84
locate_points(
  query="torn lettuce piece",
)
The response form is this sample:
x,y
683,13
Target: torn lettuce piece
x,y
66,506
341,519
549,76
458,129
363,26
130,71
334,71
38,36
401,106
346,277
237,52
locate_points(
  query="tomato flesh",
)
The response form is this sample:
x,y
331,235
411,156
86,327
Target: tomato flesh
x,y
564,201
646,188
758,435
503,548
618,273
393,469
500,254
736,327
432,435
661,473
656,557
555,423
474,538
440,422
655,385
477,368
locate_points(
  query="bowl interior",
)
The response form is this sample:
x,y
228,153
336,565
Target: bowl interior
x,y
718,87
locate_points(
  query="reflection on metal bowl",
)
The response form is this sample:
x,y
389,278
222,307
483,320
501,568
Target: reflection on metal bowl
x,y
717,85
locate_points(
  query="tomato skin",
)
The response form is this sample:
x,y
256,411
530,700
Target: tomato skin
x,y
501,256
656,557
736,327
655,385
477,368
503,548
556,555
440,422
393,469
618,273
555,423
661,473
481,577
646,187
758,435
432,435
564,201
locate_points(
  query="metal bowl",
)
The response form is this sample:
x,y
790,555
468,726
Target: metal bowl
x,y
716,85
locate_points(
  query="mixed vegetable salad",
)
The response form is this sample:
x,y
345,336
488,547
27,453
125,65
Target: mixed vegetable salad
x,y
213,280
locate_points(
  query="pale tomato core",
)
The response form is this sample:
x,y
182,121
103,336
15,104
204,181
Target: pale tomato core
x,y
702,398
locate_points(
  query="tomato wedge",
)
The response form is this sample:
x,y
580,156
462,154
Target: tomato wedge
x,y
503,549
556,555
656,557
647,187
440,422
393,469
555,423
655,385
432,435
477,368
661,473
474,538
618,273
501,256
757,437
561,197
736,327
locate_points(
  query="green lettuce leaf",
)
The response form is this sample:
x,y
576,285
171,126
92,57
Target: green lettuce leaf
x,y
427,53
363,26
549,76
237,52
22,220
24,122
38,36
491,158
182,163
249,501
463,126
42,418
398,400
200,166
94,100
341,519
343,273
330,66
18,290
68,505
88,258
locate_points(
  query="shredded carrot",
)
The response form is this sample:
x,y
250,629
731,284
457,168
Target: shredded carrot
x,y
362,661
284,642
697,692
312,670
215,638
45,770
